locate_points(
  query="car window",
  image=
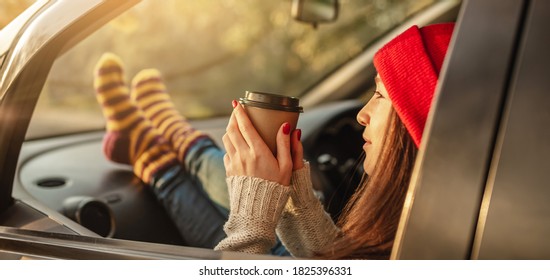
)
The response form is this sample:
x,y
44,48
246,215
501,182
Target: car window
x,y
211,52
11,9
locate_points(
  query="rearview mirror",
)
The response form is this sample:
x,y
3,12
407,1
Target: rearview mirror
x,y
315,11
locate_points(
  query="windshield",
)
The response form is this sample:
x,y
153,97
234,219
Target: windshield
x,y
11,9
210,52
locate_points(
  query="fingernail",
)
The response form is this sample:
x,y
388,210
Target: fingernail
x,y
234,103
299,132
286,128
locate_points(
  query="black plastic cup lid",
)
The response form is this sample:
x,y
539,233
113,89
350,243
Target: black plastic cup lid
x,y
271,101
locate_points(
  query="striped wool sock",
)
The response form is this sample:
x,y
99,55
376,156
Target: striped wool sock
x,y
149,92
130,137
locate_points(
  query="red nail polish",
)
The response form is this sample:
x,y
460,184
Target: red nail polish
x,y
286,128
299,132
234,103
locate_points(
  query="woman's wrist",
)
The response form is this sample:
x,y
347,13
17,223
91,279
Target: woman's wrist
x,y
257,198
301,188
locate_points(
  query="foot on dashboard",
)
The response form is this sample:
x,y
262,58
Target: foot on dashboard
x,y
150,94
130,137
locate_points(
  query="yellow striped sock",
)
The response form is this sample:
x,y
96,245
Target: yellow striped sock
x,y
151,96
130,137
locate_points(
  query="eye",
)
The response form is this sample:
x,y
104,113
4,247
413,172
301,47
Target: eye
x,y
377,95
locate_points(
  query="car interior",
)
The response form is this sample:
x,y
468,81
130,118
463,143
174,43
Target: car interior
x,y
63,184
69,178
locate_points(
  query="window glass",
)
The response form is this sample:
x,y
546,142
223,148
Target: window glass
x,y
210,52
10,9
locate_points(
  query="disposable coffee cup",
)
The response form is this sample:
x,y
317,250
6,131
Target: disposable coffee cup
x,y
268,112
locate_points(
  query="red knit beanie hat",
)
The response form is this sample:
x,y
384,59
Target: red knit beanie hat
x,y
409,66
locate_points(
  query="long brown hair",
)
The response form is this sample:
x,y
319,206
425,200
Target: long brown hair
x,y
370,218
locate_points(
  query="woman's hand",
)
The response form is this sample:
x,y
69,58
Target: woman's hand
x,y
248,155
297,150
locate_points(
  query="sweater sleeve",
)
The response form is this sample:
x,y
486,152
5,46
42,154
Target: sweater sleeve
x,y
305,228
255,208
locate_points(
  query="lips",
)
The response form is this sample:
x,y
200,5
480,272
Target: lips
x,y
367,141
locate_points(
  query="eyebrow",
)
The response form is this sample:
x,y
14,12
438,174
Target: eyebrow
x,y
376,79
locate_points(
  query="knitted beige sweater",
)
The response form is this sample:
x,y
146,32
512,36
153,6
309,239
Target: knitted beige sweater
x,y
259,208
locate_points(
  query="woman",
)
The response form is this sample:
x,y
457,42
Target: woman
x,y
275,195
394,120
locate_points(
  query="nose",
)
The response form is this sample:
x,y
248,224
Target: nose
x,y
363,117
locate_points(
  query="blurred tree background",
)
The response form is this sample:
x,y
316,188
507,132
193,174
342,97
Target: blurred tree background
x,y
210,52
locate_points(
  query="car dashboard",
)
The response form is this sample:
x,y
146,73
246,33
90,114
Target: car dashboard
x,y
70,176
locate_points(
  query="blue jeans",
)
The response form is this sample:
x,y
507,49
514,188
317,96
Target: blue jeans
x,y
196,198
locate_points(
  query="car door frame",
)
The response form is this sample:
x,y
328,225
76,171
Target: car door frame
x,y
52,29
451,211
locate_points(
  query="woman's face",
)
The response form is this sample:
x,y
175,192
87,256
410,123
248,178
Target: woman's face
x,y
374,117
